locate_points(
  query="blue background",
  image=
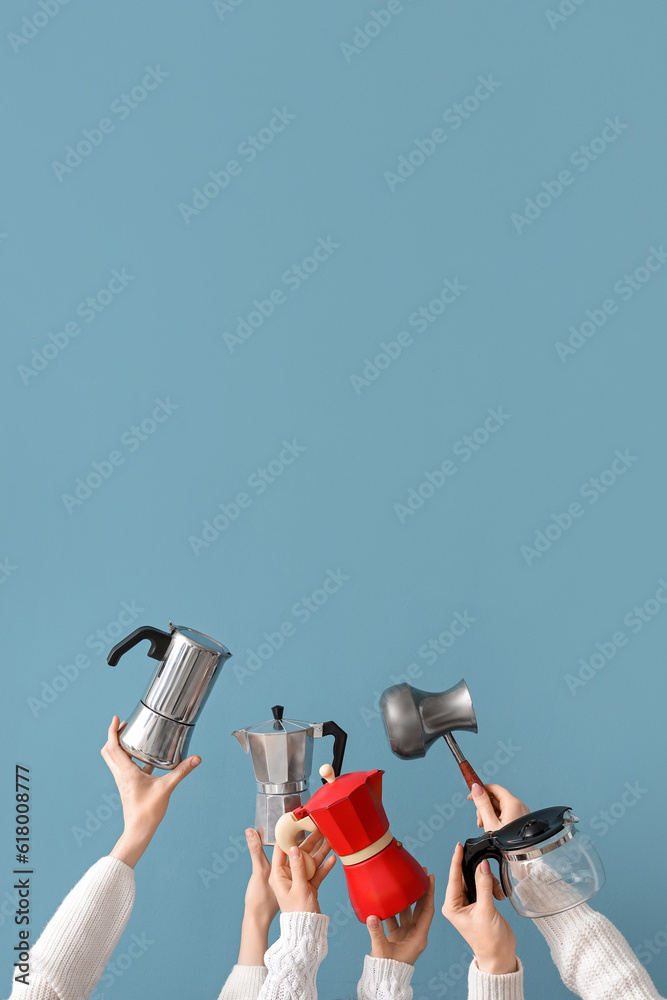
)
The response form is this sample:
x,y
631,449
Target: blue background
x,y
334,507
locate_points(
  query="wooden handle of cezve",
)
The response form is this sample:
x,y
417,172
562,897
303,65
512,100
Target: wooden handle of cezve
x,y
471,777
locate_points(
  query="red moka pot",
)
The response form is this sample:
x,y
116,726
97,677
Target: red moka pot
x,y
382,877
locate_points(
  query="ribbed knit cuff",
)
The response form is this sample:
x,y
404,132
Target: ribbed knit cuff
x,y
244,982
385,977
306,929
482,986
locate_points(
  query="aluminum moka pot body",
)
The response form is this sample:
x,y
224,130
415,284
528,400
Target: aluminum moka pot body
x,y
159,729
282,757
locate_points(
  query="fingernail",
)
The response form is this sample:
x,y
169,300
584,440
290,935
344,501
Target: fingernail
x,y
373,923
196,761
485,866
294,852
249,834
477,790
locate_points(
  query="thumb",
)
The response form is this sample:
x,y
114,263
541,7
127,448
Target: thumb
x,y
176,776
481,800
484,883
377,934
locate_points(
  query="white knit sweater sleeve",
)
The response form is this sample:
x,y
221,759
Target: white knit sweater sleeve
x,y
69,956
244,982
385,979
294,959
593,958
484,986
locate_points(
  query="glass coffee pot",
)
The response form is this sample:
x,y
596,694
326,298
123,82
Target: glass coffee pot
x,y
546,864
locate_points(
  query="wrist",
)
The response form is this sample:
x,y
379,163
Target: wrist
x,y
131,845
498,964
257,920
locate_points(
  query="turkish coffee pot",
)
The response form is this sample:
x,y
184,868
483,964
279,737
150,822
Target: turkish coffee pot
x,y
382,877
546,864
159,729
282,757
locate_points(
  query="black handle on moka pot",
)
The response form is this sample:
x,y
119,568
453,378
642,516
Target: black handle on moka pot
x,y
340,739
474,852
158,639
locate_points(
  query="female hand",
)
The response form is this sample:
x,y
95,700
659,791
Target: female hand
x,y
404,941
294,892
496,806
480,924
144,797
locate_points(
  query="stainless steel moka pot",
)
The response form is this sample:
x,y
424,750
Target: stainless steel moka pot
x,y
159,729
282,756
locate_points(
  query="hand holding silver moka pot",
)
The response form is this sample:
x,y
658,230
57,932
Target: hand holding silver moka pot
x,y
159,729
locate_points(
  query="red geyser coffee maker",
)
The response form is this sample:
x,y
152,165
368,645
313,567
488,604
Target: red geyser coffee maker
x,y
382,877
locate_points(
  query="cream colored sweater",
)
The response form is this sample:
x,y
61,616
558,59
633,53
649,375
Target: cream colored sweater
x,y
67,960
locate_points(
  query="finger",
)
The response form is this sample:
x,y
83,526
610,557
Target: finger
x,y
425,906
174,777
312,842
484,887
392,924
455,897
297,863
498,890
486,811
148,768
405,916
257,855
378,939
322,872
320,854
280,872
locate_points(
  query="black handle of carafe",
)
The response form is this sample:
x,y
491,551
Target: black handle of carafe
x,y
340,739
474,852
158,639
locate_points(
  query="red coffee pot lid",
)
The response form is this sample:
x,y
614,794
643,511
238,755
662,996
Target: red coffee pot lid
x,y
348,810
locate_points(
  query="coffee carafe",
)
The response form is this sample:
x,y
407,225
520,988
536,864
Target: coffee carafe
x,y
382,877
282,756
159,729
546,864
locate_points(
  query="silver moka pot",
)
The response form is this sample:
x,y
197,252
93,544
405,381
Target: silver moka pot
x,y
282,756
159,729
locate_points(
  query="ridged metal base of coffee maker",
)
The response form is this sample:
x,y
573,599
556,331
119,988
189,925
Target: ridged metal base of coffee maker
x,y
269,809
155,739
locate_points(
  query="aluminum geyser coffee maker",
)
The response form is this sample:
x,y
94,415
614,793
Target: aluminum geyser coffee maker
x,y
282,756
159,729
